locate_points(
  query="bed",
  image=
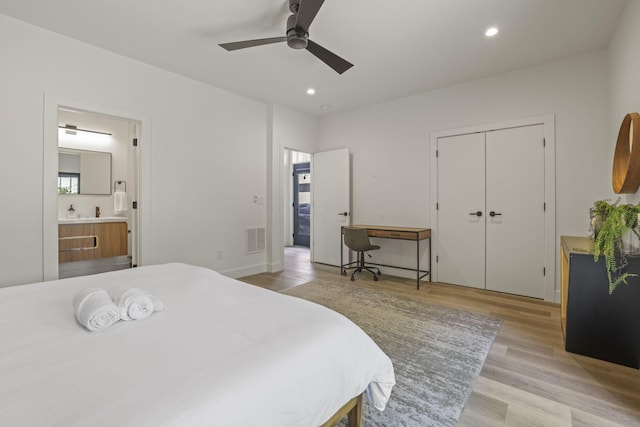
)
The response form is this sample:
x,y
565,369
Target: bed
x,y
221,353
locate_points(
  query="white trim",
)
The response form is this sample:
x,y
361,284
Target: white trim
x,y
245,271
275,221
550,293
50,171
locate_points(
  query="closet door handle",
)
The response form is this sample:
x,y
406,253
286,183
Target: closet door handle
x,y
479,213
492,213
343,214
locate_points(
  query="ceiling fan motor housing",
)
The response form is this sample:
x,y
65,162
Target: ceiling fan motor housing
x,y
296,38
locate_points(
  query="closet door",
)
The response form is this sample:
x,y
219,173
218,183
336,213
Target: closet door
x,y
461,210
515,234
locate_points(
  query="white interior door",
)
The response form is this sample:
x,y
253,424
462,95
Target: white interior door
x,y
331,204
461,210
515,241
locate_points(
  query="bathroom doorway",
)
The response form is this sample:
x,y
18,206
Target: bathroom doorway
x,y
97,192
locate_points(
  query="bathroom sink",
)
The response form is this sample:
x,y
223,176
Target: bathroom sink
x,y
87,220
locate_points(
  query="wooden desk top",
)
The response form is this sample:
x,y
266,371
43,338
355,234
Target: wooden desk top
x,y
393,232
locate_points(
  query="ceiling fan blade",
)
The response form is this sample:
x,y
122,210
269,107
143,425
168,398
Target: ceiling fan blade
x,y
331,59
251,43
307,12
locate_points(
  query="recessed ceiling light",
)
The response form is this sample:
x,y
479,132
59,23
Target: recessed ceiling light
x,y
491,31
325,106
311,91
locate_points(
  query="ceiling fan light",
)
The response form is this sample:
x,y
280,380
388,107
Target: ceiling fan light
x,y
297,41
296,38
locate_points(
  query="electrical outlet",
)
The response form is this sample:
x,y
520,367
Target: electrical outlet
x,y
220,254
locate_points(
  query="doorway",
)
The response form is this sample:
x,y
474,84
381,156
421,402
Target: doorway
x,y
330,204
135,173
297,207
97,191
301,204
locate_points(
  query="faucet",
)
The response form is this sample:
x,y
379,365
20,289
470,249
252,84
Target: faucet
x,y
97,211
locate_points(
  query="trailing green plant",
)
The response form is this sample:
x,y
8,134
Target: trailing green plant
x,y
618,220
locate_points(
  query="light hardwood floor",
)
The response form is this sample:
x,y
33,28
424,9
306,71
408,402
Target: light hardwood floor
x,y
528,378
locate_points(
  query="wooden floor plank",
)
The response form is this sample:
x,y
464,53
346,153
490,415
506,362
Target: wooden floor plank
x,y
528,378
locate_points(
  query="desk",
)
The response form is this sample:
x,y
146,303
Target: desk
x,y
400,233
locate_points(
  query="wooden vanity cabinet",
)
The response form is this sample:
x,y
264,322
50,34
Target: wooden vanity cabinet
x,y
81,242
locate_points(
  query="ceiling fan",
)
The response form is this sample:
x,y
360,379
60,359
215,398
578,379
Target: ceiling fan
x,y
297,35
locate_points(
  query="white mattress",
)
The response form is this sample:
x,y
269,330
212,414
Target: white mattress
x,y
222,353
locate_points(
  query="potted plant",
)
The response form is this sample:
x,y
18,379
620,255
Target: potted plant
x,y
614,222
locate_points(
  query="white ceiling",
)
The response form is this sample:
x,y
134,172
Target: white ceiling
x,y
399,47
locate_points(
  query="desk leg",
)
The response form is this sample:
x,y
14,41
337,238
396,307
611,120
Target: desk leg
x,y
430,270
341,263
418,264
342,273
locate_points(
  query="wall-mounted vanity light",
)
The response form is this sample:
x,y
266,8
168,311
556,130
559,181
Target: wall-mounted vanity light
x,y
73,130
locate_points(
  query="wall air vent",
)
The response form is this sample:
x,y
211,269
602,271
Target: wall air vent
x,y
256,239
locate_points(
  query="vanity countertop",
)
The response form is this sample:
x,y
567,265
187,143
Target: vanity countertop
x,y
92,220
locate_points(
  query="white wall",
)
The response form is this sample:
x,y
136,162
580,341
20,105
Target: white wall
x,y
624,57
295,131
208,152
390,141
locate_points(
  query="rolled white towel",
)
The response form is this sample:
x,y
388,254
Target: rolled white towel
x,y
94,309
134,303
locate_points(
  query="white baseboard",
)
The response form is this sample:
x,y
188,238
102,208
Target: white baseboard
x,y
275,267
245,271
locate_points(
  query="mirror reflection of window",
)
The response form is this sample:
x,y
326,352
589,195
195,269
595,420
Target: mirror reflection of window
x,y
68,183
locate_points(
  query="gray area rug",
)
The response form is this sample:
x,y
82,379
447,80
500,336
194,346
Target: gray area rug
x,y
437,352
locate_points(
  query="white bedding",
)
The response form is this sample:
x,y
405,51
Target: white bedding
x,y
222,353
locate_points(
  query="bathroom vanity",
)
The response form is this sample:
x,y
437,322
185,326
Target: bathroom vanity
x,y
92,245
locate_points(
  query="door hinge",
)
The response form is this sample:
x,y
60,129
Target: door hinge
x,y
544,206
437,153
544,142
135,142
293,205
134,205
437,206
544,271
436,258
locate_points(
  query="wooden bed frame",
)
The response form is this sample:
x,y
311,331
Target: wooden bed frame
x,y
353,409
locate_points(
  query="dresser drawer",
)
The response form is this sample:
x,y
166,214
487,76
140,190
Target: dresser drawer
x,y
390,234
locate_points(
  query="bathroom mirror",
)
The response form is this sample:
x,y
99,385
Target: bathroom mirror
x,y
84,172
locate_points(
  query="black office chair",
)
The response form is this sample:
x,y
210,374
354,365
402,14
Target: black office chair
x,y
357,239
